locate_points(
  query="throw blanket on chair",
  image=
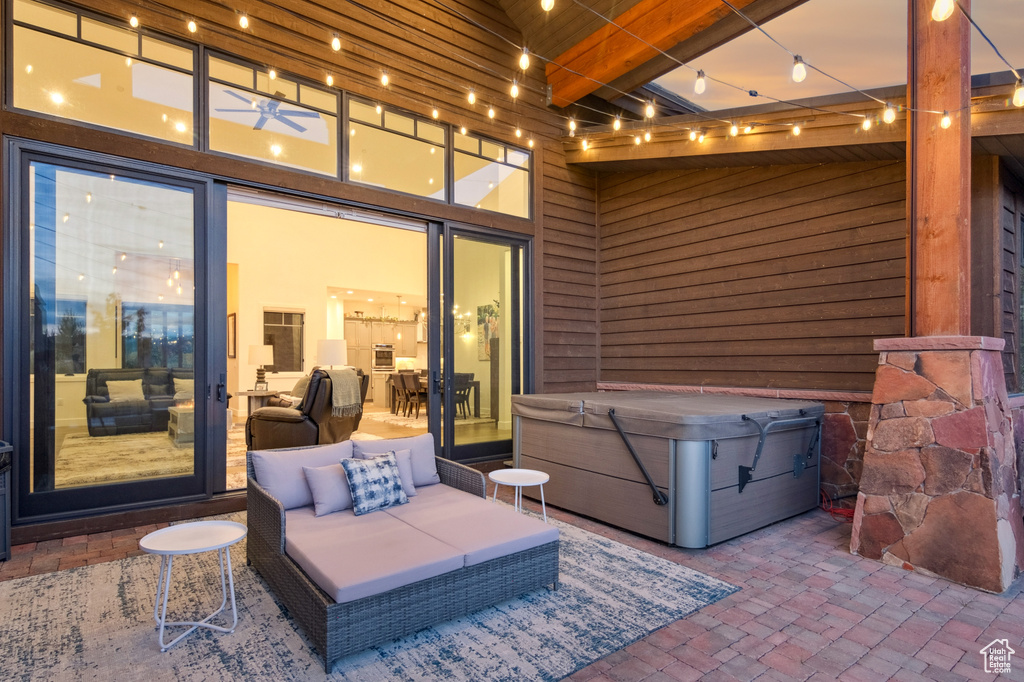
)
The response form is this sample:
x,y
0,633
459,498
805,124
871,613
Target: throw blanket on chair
x,y
345,401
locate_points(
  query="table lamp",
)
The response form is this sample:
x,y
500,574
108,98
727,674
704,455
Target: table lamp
x,y
332,352
261,356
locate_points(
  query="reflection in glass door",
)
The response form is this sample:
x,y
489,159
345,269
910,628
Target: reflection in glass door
x,y
483,359
109,338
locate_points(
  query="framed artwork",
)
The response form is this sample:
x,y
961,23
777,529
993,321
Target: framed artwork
x,y
232,346
261,386
486,329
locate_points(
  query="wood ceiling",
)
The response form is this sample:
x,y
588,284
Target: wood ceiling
x,y
579,39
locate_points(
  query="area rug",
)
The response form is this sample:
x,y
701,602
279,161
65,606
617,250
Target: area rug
x,y
96,622
421,422
88,460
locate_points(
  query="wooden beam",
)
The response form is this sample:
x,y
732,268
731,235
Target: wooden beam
x,y
939,173
609,52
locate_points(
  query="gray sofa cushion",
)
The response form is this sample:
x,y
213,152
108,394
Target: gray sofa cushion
x,y
329,486
424,469
479,528
351,557
280,471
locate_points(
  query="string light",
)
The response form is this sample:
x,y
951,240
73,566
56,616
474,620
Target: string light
x,y
133,21
1018,94
734,130
700,137
585,145
572,125
243,21
330,80
530,143
524,59
649,110
693,135
384,79
272,74
462,130
519,132
335,43
749,129
796,130
435,113
113,270
546,5
889,115
514,91
123,255
799,70
866,125
471,98
946,120
379,108
490,112
943,9
701,84
617,123
636,140
192,28
647,136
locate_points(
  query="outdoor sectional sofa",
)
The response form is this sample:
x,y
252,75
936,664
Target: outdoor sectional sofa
x,y
353,582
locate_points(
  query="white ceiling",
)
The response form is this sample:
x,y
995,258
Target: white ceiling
x,y
862,42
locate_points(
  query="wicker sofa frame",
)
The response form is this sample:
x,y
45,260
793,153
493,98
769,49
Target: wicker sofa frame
x,y
338,630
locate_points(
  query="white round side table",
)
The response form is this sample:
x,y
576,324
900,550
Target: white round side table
x,y
192,538
517,478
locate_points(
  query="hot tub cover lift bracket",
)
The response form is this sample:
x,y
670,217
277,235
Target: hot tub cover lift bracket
x,y
746,473
659,497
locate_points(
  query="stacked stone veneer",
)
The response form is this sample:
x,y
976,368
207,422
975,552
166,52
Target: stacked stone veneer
x,y
940,490
843,439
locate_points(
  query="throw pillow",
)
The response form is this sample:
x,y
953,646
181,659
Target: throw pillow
x,y
123,391
329,486
300,387
184,386
374,483
404,459
424,466
280,471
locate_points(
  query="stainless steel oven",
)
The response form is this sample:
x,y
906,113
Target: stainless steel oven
x,y
382,357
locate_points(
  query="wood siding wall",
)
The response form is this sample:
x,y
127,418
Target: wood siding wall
x,y
433,56
1011,213
762,277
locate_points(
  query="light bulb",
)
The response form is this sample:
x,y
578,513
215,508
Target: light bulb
x,y
572,124
700,138
81,276
943,9
177,274
748,129
524,60
160,297
462,130
161,244
471,97
701,84
546,5
384,80
243,21
272,74
693,135
866,125
617,123
379,109
796,130
490,112
647,136
88,197
889,115
133,21
530,143
636,140
734,130
519,133
113,270
179,290
275,149
1018,94
335,43
584,145
170,282
435,113
56,98
330,80
799,70
192,28
649,110
123,255
514,91
946,120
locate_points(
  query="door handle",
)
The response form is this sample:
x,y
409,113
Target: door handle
x,y
437,382
222,385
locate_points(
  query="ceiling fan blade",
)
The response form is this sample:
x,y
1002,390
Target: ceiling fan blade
x,y
261,122
291,124
234,94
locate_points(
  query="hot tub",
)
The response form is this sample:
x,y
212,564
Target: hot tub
x,y
703,468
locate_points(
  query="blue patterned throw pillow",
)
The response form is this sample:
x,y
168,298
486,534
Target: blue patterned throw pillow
x,y
375,483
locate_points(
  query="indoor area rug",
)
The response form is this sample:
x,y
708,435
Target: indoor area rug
x,y
421,422
87,460
96,622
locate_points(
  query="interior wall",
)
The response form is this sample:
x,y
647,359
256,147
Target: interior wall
x,y
776,277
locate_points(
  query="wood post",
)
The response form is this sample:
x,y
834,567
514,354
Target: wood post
x,y
938,172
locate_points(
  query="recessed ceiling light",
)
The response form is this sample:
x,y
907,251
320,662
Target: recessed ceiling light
x,y
370,300
350,292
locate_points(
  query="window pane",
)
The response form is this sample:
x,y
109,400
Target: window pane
x,y
112,342
64,78
104,34
277,87
367,113
492,151
399,123
491,186
320,99
231,72
284,333
467,144
258,127
392,161
166,53
430,132
47,17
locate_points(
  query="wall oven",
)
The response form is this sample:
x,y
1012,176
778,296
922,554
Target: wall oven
x,y
382,357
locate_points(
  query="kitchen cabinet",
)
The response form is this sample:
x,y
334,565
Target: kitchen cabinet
x,y
357,334
379,384
405,339
382,332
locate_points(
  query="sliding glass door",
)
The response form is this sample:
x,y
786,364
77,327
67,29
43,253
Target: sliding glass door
x,y
483,356
106,337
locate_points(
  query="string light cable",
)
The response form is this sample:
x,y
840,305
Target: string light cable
x,y
1018,88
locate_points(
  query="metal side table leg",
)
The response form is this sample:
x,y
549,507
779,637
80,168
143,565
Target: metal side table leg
x,y
543,506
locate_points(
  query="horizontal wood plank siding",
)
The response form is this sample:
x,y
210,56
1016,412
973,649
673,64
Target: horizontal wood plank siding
x,y
776,277
569,278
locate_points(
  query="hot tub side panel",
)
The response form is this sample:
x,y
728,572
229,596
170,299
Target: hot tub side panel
x,y
592,473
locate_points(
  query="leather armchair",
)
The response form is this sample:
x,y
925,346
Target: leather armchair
x,y
311,423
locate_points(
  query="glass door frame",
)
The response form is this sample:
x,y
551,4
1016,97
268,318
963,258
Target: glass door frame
x,y
209,245
442,268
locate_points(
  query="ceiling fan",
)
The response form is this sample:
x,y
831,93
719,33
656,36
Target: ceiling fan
x,y
270,109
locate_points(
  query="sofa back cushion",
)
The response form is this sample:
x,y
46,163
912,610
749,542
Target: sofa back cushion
x,y
124,391
421,448
280,471
329,486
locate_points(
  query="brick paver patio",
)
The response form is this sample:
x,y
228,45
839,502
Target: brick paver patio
x,y
808,610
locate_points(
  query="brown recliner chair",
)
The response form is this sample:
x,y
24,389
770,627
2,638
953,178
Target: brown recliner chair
x,y
311,423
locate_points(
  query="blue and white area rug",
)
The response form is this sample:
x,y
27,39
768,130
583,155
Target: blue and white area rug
x,y
96,623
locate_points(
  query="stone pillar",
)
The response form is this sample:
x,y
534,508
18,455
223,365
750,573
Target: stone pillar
x,y
940,488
